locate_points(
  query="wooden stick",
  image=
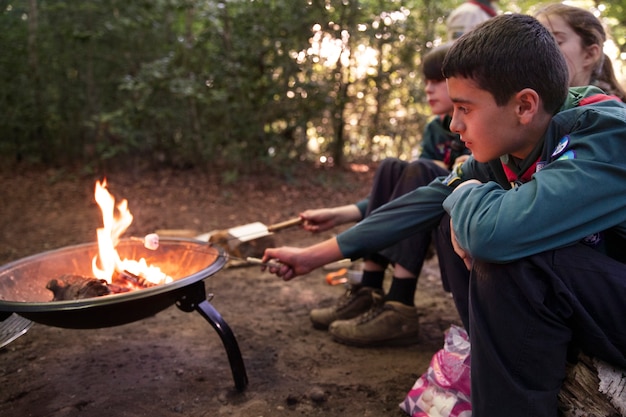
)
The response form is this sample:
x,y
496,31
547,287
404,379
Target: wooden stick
x,y
283,225
257,261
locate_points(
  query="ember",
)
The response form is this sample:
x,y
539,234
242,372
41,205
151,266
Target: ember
x,y
76,287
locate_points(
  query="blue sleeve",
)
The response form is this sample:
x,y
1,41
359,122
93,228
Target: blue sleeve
x,y
362,206
417,211
581,193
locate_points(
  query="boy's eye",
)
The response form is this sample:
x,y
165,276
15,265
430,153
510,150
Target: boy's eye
x,y
462,109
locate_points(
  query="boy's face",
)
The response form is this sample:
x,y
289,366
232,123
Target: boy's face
x,y
437,97
487,129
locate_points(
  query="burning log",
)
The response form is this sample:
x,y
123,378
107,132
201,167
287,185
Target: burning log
x,y
75,287
127,276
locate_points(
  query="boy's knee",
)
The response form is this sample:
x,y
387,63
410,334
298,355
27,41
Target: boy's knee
x,y
389,163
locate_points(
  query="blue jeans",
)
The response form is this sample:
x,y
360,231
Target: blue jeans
x,y
526,315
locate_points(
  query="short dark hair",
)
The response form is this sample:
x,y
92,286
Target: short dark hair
x,y
433,61
508,53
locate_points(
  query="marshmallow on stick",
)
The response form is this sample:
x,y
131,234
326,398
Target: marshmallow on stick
x,y
150,241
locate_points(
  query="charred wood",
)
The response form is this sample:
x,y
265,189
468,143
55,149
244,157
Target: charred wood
x,y
76,287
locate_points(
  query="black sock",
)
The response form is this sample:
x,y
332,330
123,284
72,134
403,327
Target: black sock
x,y
402,290
373,279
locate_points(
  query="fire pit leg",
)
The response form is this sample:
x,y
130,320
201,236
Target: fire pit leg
x,y
200,304
230,343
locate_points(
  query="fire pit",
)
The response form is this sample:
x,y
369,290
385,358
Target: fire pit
x,y
188,262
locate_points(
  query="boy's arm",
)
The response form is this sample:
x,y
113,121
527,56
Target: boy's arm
x,y
300,261
388,224
319,220
581,193
414,212
419,210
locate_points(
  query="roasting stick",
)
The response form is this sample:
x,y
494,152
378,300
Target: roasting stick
x,y
151,241
257,261
235,235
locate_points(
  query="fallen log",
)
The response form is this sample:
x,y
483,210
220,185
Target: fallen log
x,y
593,388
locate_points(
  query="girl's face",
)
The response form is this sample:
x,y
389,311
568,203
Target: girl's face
x,y
438,98
581,61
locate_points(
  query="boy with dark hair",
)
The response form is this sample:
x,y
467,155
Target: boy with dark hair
x,y
547,276
540,216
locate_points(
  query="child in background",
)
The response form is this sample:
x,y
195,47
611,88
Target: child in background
x,y
581,38
467,15
391,318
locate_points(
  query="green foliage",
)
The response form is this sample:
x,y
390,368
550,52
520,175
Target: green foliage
x,y
239,85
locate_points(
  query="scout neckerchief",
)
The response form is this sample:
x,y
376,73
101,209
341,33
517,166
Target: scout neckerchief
x,y
596,98
518,172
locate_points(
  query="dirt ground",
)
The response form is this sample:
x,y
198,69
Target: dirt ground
x,y
173,363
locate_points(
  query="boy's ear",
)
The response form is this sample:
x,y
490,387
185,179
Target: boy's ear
x,y
528,105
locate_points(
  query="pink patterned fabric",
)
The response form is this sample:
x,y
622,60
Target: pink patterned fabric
x,y
444,390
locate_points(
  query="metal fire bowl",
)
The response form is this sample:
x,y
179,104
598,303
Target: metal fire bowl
x,y
23,283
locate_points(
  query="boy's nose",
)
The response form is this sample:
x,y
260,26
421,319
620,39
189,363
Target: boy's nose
x,y
456,125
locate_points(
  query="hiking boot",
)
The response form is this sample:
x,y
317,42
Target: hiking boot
x,y
386,324
356,300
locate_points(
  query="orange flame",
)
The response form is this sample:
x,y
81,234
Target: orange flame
x,y
115,223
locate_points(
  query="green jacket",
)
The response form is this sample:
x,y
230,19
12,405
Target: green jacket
x,y
440,144
579,193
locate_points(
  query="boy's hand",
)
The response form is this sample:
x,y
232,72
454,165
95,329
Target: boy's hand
x,y
290,265
300,261
467,259
318,220
323,219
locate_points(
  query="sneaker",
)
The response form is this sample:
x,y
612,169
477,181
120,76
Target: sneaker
x,y
356,300
388,323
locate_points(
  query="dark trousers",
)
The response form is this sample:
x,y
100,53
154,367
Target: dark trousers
x,y
526,315
454,274
394,178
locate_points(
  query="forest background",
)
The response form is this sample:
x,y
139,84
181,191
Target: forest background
x,y
238,86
